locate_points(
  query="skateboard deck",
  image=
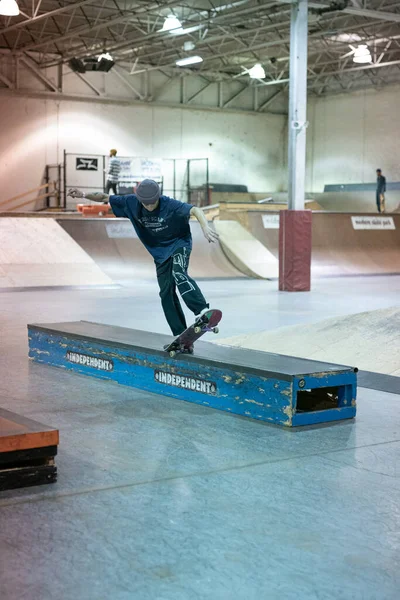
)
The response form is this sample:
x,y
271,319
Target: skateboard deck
x,y
183,343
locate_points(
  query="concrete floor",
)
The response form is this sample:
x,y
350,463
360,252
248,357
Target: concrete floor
x,y
165,500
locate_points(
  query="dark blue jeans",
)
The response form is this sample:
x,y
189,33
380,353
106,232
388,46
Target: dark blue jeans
x,y
172,274
380,204
112,185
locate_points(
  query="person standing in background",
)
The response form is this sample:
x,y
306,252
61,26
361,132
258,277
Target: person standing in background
x,y
380,191
113,171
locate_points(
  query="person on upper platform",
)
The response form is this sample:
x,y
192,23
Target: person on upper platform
x,y
380,191
112,173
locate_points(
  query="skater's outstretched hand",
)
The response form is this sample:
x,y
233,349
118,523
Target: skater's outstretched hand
x,y
95,196
75,193
210,234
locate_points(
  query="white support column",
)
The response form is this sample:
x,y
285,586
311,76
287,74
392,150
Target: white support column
x,y
297,105
295,224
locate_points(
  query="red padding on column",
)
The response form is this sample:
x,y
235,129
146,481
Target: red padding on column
x,y
295,250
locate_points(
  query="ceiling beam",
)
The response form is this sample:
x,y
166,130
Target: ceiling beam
x,y
236,95
338,72
380,15
193,96
164,36
51,13
271,99
89,84
116,72
78,31
115,100
32,66
6,81
284,40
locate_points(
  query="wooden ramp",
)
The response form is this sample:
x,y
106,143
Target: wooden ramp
x,y
245,252
27,451
39,253
338,247
114,246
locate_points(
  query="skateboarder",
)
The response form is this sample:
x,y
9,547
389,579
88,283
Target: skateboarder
x,y
380,191
162,225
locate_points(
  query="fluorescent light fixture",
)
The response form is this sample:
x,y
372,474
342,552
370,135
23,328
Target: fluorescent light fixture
x,y
9,8
362,54
170,23
257,72
187,30
190,60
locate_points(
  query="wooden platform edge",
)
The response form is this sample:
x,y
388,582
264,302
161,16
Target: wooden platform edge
x,y
26,433
26,441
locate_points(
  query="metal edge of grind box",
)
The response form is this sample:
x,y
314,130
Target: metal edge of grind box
x,y
269,387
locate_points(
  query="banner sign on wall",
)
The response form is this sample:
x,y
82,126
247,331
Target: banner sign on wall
x,y
372,222
270,221
151,168
86,164
126,174
121,230
135,169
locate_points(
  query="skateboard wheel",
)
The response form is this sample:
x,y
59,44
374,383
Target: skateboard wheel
x,y
172,353
215,329
197,329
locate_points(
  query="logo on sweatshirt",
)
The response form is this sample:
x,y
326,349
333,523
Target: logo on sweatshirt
x,y
154,224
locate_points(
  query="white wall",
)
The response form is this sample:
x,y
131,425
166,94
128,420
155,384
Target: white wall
x,y
351,135
242,148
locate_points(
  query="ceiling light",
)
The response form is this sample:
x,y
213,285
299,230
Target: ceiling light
x,y
9,8
346,38
106,56
187,46
190,60
362,54
257,72
170,23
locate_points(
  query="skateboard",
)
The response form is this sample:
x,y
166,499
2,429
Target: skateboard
x,y
183,343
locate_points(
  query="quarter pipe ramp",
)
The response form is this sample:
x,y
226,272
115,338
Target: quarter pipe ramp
x,y
116,249
338,248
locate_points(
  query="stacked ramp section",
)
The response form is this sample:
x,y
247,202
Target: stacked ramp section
x,y
38,252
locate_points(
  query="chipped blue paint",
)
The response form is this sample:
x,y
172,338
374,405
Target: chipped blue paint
x,y
267,399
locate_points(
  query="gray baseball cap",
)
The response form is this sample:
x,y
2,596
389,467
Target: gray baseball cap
x,y
148,191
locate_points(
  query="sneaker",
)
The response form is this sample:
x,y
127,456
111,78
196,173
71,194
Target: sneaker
x,y
188,349
201,313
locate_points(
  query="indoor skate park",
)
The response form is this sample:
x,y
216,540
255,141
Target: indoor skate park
x,y
265,465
